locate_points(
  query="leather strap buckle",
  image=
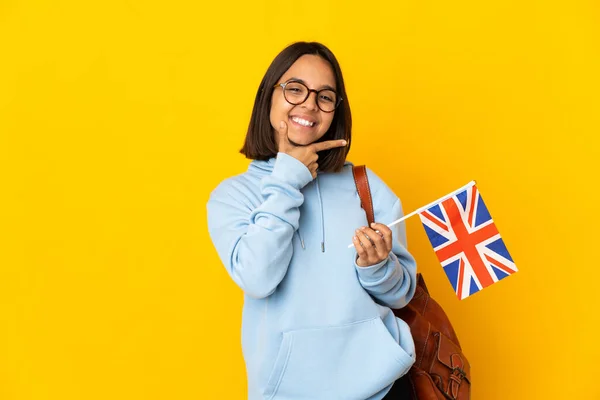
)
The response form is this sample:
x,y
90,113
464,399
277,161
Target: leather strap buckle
x,y
456,377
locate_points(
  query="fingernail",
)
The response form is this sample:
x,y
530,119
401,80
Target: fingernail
x,y
363,228
344,142
373,224
355,238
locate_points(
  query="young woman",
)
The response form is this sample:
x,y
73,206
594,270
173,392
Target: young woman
x,y
316,322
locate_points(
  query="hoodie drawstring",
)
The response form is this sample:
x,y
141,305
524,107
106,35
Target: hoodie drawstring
x,y
322,219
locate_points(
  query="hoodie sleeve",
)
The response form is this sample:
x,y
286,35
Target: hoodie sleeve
x,y
254,238
392,282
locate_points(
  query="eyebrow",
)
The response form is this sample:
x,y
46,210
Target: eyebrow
x,y
302,81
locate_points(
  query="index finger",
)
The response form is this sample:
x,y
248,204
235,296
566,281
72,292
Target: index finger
x,y
329,144
386,232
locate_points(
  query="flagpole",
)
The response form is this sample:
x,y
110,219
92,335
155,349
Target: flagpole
x,y
457,191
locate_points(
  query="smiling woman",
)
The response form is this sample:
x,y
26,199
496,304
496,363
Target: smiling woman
x,y
309,116
286,95
328,331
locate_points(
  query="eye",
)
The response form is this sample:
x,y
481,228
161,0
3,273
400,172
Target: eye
x,y
327,96
295,89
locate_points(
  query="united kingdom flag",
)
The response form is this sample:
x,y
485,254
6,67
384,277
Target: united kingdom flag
x,y
467,242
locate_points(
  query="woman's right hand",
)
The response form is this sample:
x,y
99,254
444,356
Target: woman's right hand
x,y
307,155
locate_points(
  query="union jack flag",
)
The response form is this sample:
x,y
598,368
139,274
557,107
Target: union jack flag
x,y
467,242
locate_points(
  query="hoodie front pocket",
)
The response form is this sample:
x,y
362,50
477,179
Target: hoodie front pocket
x,y
352,361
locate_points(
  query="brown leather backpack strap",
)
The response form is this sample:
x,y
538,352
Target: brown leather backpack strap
x,y
364,191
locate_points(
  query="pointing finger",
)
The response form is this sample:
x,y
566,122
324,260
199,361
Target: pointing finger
x,y
330,144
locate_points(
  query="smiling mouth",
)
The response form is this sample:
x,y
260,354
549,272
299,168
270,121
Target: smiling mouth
x,y
303,122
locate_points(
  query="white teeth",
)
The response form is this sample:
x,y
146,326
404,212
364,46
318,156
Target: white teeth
x,y
303,122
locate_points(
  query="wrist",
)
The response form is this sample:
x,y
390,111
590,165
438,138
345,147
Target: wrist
x,y
289,169
366,264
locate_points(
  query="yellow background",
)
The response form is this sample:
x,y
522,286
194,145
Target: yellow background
x,y
117,118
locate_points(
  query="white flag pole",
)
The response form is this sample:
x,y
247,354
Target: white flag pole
x,y
457,191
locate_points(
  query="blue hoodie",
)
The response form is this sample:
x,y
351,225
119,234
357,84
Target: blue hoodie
x,y
315,325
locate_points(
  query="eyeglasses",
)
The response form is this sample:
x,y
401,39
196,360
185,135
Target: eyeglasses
x,y
297,93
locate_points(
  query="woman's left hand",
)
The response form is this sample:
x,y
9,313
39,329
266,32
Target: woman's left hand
x,y
372,245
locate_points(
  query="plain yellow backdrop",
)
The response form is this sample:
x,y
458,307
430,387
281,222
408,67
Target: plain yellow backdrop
x,y
117,119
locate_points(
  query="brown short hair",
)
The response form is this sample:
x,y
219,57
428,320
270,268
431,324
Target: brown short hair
x,y
260,139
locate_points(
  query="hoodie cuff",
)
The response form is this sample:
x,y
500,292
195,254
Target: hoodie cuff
x,y
290,170
372,273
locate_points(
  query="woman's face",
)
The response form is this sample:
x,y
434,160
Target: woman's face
x,y
306,123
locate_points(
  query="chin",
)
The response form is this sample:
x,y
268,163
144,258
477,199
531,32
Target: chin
x,y
301,140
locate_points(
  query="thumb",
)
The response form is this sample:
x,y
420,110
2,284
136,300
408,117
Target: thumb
x,y
283,135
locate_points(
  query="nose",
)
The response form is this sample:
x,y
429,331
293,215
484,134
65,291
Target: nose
x,y
311,102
